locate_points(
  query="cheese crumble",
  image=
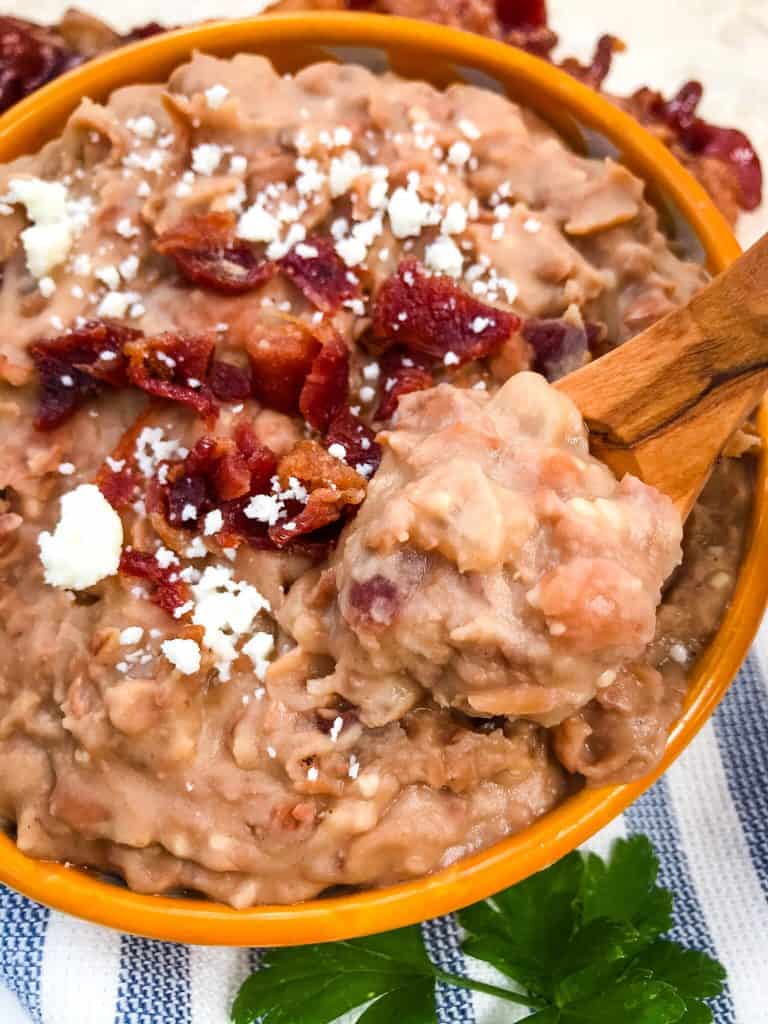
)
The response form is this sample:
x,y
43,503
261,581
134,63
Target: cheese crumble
x,y
86,544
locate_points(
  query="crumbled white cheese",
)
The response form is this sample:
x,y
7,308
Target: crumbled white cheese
x,y
257,225
125,228
407,213
151,449
188,513
310,179
264,508
459,153
145,127
206,158
338,451
444,256
66,468
182,654
378,194
116,304
131,635
216,95
56,220
226,609
531,225
455,220
213,522
258,649
109,276
86,544
352,250
238,164
47,287
469,129
344,170
128,267
451,359
277,249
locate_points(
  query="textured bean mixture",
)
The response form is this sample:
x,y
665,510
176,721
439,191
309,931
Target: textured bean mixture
x,y
307,576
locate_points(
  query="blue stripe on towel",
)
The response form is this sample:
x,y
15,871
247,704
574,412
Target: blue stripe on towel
x,y
740,731
153,975
442,938
653,815
22,938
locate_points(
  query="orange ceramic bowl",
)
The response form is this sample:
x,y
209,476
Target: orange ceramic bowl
x,y
415,50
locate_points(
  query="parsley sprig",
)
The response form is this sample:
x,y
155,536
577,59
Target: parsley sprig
x,y
580,944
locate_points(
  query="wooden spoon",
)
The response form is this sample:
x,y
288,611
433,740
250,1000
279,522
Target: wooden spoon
x,y
663,405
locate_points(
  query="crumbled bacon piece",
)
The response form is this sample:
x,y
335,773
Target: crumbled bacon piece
x,y
400,375
431,315
207,253
118,485
595,73
558,347
167,590
228,382
523,23
323,278
175,367
327,384
678,125
77,366
358,442
281,352
333,487
187,492
221,469
30,56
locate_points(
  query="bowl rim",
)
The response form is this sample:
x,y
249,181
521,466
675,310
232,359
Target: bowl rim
x,y
204,922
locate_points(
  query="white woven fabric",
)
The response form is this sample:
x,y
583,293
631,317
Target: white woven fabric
x,y
708,817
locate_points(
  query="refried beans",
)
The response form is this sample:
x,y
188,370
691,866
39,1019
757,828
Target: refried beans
x,y
307,576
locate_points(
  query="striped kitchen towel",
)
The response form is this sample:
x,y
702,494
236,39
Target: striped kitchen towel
x,y
707,817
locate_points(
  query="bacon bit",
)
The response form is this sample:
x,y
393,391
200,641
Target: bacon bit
x,y
183,493
524,24
228,382
30,55
333,487
375,601
595,73
677,123
164,365
357,439
169,594
118,486
433,316
400,378
327,384
207,253
282,353
324,279
72,371
558,347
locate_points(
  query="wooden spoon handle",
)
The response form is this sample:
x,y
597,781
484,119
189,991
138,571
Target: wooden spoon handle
x,y
663,405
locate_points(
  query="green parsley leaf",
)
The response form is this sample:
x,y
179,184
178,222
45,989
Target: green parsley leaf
x,y
580,939
692,973
317,984
635,1000
525,931
625,888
